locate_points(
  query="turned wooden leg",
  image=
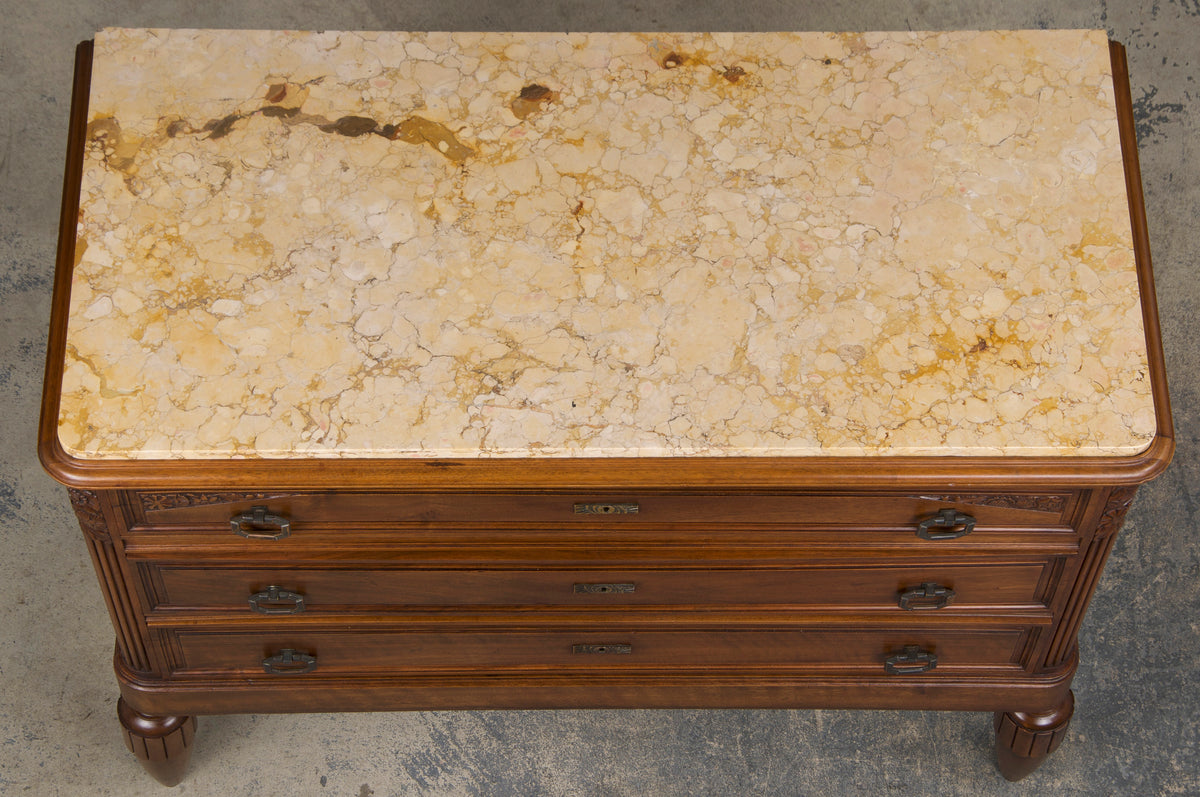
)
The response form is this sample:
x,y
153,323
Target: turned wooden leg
x,y
1024,740
162,745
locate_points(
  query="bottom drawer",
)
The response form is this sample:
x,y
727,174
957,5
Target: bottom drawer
x,y
348,653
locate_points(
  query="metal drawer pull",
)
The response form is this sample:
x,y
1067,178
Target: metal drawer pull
x,y
257,524
289,662
927,596
912,661
618,648
959,524
274,600
606,509
603,589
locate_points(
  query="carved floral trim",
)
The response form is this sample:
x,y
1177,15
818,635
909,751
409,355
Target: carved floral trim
x,y
157,502
1119,501
90,513
1033,503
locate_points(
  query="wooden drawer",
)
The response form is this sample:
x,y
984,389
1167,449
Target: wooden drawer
x,y
366,510
172,586
365,653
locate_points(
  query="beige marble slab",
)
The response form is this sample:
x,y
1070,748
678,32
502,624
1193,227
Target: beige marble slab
x,y
483,245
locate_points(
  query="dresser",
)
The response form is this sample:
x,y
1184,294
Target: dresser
x,y
474,370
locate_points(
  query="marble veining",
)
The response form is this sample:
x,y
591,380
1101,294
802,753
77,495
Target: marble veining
x,y
486,245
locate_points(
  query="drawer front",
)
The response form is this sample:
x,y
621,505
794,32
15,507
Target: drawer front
x,y
343,510
347,653
1017,585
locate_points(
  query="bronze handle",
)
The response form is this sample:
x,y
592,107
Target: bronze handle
x,y
927,596
958,524
274,600
289,662
258,524
911,661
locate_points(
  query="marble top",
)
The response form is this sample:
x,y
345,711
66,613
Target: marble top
x,y
592,245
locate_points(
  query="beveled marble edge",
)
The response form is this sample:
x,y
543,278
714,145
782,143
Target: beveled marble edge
x,y
646,453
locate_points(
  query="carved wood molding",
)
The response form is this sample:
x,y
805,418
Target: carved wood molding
x,y
131,647
1119,501
89,509
1035,503
156,502
90,513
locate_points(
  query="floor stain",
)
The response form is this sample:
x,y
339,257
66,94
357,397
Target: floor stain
x,y
1148,114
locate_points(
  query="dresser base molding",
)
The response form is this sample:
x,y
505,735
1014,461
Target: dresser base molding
x,y
652,689
161,738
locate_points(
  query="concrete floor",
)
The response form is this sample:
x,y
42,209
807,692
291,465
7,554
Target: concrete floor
x,y
1135,728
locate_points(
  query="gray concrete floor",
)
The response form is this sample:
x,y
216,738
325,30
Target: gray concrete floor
x,y
1135,728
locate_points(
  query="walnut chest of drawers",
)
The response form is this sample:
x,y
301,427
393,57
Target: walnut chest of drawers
x,y
410,371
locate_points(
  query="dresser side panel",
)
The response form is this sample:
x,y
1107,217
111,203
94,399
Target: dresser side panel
x,y
100,520
1103,519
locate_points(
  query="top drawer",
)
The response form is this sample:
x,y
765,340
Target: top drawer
x,y
561,510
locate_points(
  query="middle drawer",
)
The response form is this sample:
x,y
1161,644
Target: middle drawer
x,y
1017,585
